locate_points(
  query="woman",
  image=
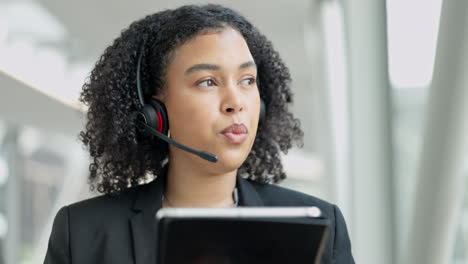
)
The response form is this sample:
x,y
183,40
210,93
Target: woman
x,y
203,74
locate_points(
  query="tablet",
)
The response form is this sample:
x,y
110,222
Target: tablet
x,y
241,235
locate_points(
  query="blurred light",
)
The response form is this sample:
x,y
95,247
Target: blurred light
x,y
30,50
3,129
337,95
302,165
3,171
336,71
3,33
55,62
28,20
3,227
29,140
412,38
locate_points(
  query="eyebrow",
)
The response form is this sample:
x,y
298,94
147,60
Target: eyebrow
x,y
214,67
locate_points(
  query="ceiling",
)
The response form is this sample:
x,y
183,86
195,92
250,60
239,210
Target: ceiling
x,y
95,24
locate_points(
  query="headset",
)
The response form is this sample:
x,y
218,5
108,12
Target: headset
x,y
153,116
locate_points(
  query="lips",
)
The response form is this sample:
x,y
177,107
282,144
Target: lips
x,y
236,133
236,129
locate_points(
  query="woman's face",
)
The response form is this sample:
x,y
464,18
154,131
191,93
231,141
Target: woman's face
x,y
211,85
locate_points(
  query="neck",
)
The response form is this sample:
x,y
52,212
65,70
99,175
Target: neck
x,y
192,186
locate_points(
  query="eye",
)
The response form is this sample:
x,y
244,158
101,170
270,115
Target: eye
x,y
207,83
248,81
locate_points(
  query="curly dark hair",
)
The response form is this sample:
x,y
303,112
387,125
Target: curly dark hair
x,y
122,154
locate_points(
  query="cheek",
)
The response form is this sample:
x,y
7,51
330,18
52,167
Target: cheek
x,y
190,117
255,113
254,126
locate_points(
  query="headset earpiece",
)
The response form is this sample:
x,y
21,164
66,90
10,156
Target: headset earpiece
x,y
159,109
155,115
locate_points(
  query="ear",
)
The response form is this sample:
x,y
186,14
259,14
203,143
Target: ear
x,y
159,97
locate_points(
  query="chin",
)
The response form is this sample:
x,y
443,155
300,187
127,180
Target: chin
x,y
228,163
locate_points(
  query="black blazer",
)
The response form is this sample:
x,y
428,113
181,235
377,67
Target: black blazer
x,y
122,230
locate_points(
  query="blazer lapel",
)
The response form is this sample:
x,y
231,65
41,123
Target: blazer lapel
x,y
248,195
143,223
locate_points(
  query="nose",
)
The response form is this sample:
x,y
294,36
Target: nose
x,y
233,102
231,109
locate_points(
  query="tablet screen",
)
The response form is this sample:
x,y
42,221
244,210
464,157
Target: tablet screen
x,y
241,239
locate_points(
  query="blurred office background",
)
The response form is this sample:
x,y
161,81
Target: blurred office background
x,y
380,88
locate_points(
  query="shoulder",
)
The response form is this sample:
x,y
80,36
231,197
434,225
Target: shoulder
x,y
107,201
105,213
104,206
80,228
338,247
275,195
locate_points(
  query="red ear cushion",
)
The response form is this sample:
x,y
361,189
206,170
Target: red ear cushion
x,y
160,121
161,113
